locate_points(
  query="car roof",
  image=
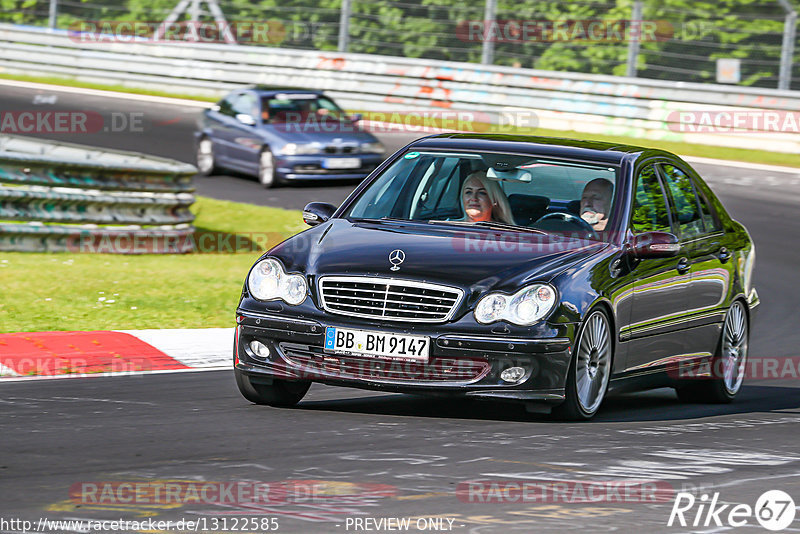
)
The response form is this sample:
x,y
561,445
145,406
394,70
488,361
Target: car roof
x,y
263,90
598,151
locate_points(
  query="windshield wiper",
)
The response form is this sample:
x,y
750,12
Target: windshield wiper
x,y
492,224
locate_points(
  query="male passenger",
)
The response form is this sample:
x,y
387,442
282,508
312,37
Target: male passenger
x,y
596,203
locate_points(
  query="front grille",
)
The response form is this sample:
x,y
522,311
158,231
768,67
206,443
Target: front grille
x,y
341,149
388,299
316,363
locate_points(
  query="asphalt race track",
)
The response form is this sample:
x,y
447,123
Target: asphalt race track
x,y
369,455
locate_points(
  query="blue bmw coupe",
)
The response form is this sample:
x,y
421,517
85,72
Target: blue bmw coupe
x,y
284,135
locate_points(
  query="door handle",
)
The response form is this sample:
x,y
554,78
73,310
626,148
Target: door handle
x,y
724,254
683,265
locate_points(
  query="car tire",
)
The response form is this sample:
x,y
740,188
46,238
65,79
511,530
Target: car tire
x,y
205,159
730,361
280,394
266,169
589,369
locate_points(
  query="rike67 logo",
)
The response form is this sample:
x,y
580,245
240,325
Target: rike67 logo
x,y
774,510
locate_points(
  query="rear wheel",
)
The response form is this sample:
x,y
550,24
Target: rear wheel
x,y
206,161
728,365
590,369
281,393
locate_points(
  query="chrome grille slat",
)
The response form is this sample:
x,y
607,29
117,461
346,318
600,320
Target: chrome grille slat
x,y
388,298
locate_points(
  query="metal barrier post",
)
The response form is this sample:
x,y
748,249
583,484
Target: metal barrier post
x,y
487,51
787,48
53,13
634,43
344,26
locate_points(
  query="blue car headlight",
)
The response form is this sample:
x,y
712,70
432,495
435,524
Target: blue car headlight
x,y
269,281
525,307
294,149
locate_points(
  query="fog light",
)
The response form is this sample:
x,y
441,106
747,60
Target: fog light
x,y
512,374
259,349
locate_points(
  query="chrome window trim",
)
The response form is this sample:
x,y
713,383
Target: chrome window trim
x,y
390,281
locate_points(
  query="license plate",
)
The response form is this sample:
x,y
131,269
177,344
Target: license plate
x,y
341,163
376,344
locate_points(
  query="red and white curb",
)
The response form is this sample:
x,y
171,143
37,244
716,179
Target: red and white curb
x,y
38,355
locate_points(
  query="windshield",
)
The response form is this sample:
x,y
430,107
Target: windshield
x,y
296,108
504,191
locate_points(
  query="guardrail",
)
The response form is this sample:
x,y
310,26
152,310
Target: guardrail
x,y
59,197
635,107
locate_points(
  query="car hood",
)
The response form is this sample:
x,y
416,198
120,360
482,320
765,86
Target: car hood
x,y
325,133
475,260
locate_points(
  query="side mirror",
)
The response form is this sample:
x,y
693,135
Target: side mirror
x,y
244,118
317,213
355,117
656,245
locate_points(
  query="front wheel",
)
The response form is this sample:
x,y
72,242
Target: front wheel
x,y
266,168
280,394
589,370
728,365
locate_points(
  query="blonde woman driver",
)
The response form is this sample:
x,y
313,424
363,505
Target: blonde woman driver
x,y
483,200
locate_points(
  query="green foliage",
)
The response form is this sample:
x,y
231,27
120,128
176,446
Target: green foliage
x,y
695,33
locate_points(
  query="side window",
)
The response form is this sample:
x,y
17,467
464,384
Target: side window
x,y
649,205
684,201
226,106
246,104
710,219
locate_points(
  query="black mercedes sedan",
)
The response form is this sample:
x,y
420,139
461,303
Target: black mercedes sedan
x,y
546,271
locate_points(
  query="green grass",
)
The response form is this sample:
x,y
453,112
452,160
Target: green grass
x,y
119,88
678,147
73,291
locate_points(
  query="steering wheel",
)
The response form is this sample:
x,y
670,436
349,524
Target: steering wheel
x,y
564,219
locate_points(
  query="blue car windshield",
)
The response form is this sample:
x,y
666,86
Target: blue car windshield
x,y
491,189
301,108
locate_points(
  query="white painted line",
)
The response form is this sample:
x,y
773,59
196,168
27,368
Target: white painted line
x,y
198,348
114,374
107,94
7,371
743,165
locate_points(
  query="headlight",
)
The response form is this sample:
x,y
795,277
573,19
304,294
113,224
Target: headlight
x,y
268,281
524,307
373,148
293,149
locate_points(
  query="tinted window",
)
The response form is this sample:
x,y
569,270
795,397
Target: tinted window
x,y
226,106
302,108
246,104
521,190
710,219
649,205
684,201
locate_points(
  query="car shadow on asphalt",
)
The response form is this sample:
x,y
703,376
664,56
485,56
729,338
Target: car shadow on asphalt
x,y
655,405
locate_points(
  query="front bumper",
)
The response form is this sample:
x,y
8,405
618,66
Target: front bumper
x,y
459,363
312,167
